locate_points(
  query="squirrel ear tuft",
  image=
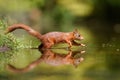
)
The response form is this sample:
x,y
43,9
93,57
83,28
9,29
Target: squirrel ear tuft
x,y
75,30
75,65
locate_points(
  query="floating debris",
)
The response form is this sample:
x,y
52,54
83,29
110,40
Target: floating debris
x,y
117,50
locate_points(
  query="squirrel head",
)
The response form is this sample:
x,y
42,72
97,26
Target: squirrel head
x,y
77,35
77,61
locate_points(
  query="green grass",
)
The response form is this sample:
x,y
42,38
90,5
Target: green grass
x,y
11,41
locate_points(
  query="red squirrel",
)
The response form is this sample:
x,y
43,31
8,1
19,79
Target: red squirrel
x,y
50,38
51,58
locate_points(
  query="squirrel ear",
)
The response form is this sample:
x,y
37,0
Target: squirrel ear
x,y
77,61
75,65
75,30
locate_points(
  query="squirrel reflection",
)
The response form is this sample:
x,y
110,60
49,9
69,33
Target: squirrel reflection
x,y
51,58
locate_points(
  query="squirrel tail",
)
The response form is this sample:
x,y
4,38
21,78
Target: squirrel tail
x,y
26,69
25,27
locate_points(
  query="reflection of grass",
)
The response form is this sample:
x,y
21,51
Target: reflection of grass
x,y
10,46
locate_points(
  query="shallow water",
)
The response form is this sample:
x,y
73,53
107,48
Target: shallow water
x,y
98,62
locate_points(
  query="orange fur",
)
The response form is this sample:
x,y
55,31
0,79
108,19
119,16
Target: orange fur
x,y
51,38
51,58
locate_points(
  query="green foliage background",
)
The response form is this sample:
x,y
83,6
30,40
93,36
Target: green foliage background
x,y
97,20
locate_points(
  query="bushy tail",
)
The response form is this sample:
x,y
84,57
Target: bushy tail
x,y
25,27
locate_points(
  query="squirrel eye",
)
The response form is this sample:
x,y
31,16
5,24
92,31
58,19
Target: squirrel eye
x,y
77,35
